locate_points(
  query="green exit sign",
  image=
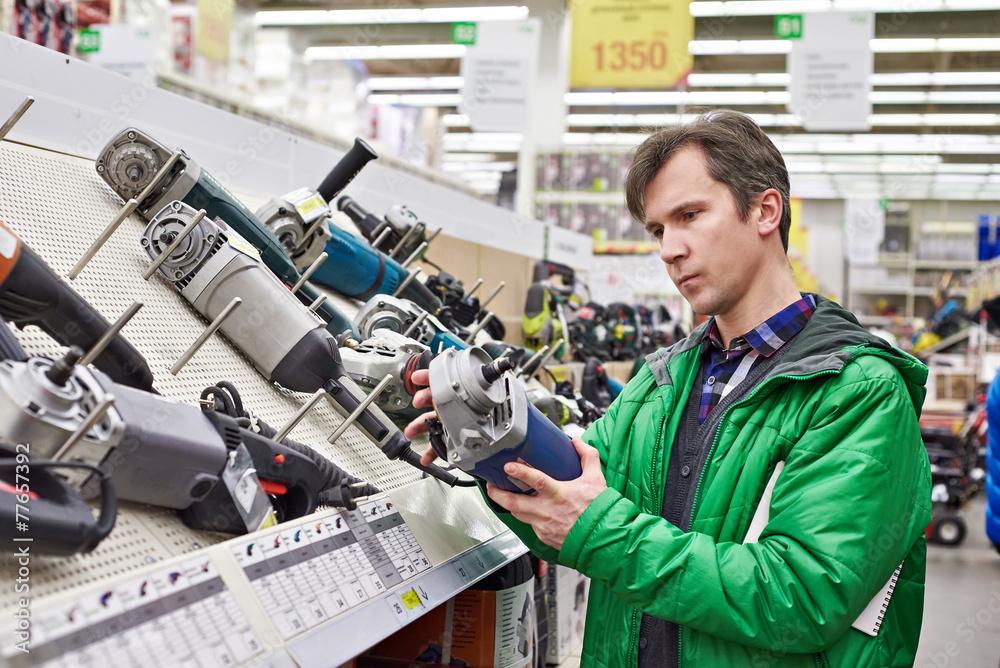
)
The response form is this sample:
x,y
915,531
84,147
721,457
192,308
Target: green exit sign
x,y
90,41
788,26
463,33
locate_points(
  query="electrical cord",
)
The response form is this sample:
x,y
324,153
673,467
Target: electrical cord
x,y
109,500
336,479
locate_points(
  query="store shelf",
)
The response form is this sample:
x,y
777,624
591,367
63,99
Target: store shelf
x,y
579,197
204,607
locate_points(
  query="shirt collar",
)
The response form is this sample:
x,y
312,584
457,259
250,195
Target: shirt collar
x,y
768,336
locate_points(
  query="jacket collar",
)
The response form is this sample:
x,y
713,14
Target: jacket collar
x,y
830,338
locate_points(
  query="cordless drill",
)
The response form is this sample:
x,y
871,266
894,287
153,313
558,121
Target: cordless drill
x,y
132,159
484,420
32,294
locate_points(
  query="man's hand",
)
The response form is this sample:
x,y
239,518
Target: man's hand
x,y
422,399
558,504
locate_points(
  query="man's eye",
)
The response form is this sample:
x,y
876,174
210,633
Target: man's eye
x,y
690,215
657,233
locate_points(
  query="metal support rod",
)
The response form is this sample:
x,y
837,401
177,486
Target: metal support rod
x,y
16,116
103,238
541,351
299,414
493,294
88,423
472,290
362,407
109,335
402,242
164,170
173,245
413,256
318,301
381,237
310,270
433,235
552,351
200,341
311,230
406,281
479,326
416,323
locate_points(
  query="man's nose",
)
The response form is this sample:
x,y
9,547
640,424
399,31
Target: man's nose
x,y
671,249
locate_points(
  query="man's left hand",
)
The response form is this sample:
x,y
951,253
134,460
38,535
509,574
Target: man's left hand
x,y
554,510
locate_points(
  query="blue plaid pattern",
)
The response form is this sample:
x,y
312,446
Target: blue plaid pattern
x,y
725,369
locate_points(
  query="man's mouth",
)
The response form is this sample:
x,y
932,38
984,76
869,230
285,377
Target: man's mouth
x,y
684,280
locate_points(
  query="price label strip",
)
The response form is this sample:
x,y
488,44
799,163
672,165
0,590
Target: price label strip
x,y
314,571
178,616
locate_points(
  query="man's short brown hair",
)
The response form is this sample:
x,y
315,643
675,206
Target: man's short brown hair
x,y
738,154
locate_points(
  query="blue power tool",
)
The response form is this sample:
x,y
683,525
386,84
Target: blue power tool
x,y
485,420
133,159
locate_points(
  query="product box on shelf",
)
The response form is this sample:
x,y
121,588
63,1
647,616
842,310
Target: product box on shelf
x,y
568,592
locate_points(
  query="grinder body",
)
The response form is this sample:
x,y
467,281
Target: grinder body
x,y
395,314
131,160
487,421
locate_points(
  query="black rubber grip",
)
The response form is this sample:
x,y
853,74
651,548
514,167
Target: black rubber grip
x,y
345,170
360,216
367,420
32,294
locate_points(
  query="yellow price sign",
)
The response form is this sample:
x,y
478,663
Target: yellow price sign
x,y
410,599
639,44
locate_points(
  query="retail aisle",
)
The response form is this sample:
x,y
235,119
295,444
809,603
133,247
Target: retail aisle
x,y
962,607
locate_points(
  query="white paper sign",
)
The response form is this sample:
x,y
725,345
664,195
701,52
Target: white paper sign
x,y
864,229
499,71
830,70
127,50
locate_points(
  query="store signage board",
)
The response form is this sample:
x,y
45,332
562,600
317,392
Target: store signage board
x,y
641,44
499,71
830,67
127,50
864,230
215,24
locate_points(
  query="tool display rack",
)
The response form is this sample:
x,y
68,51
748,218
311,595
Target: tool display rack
x,y
311,592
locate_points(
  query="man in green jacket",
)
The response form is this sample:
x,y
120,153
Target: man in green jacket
x,y
757,494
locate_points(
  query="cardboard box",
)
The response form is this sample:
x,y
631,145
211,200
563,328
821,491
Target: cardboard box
x,y
568,592
478,629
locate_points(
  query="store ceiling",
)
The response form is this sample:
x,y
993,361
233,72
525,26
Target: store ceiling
x,y
936,92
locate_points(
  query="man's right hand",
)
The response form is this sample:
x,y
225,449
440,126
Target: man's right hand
x,y
422,399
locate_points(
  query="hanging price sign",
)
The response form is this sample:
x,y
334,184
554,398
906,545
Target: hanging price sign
x,y
639,44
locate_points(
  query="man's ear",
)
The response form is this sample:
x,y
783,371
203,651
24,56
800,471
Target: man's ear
x,y
769,209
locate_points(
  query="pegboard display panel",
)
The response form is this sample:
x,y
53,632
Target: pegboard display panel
x,y
58,205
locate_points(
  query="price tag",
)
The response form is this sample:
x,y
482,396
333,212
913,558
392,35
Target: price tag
x,y
630,45
411,599
462,571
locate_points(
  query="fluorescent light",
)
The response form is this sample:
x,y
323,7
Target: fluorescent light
x,y
415,83
386,52
469,157
480,142
455,121
723,47
774,7
781,79
963,168
469,167
385,16
417,99
677,98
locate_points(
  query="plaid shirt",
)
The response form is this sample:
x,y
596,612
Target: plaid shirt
x,y
725,369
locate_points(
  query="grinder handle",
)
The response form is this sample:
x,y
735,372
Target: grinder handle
x,y
360,216
345,170
32,294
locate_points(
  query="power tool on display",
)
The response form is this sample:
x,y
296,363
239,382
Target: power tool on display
x,y
131,161
32,294
387,353
300,221
398,315
403,230
154,450
484,420
282,338
465,309
545,306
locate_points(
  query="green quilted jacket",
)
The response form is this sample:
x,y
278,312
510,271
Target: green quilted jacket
x,y
840,409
